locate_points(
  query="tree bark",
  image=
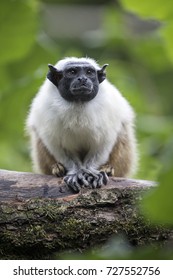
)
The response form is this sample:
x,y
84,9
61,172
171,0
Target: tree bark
x,y
40,215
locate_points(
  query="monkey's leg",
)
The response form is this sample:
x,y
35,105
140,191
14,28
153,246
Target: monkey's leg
x,y
121,163
44,161
108,169
123,157
58,169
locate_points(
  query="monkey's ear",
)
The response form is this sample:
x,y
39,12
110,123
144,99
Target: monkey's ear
x,y
54,75
101,73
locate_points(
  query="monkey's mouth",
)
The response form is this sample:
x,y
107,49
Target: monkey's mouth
x,y
82,93
81,90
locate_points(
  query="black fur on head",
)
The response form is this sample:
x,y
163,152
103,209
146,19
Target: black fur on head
x,y
78,81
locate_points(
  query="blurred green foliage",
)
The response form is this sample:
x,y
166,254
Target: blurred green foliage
x,y
159,204
141,66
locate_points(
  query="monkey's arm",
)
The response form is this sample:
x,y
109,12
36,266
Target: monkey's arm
x,y
43,161
123,157
121,163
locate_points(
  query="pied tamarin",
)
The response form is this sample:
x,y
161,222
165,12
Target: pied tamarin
x,y
81,127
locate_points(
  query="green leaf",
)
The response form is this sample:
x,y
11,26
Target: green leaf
x,y
17,28
154,9
166,33
157,205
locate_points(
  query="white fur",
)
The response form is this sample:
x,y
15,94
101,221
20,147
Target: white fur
x,y
60,65
66,127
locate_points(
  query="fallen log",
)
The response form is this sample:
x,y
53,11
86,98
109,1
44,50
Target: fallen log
x,y
39,215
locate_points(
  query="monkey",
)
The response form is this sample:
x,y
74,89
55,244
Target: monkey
x,y
81,127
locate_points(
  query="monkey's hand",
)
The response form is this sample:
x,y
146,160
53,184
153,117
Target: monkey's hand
x,y
85,178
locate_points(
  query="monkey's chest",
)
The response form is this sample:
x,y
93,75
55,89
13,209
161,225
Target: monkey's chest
x,y
80,141
81,135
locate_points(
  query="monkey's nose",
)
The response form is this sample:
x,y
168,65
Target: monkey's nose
x,y
82,80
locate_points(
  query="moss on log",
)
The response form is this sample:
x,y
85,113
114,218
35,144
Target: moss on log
x,y
40,215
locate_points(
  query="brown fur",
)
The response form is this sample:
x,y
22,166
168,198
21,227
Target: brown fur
x,y
46,161
121,157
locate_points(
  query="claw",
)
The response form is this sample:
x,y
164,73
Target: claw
x,y
72,183
100,182
94,184
82,178
90,179
105,177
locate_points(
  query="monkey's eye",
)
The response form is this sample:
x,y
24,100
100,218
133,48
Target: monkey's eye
x,y
71,71
90,71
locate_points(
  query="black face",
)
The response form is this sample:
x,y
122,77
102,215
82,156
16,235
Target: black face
x,y
78,82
